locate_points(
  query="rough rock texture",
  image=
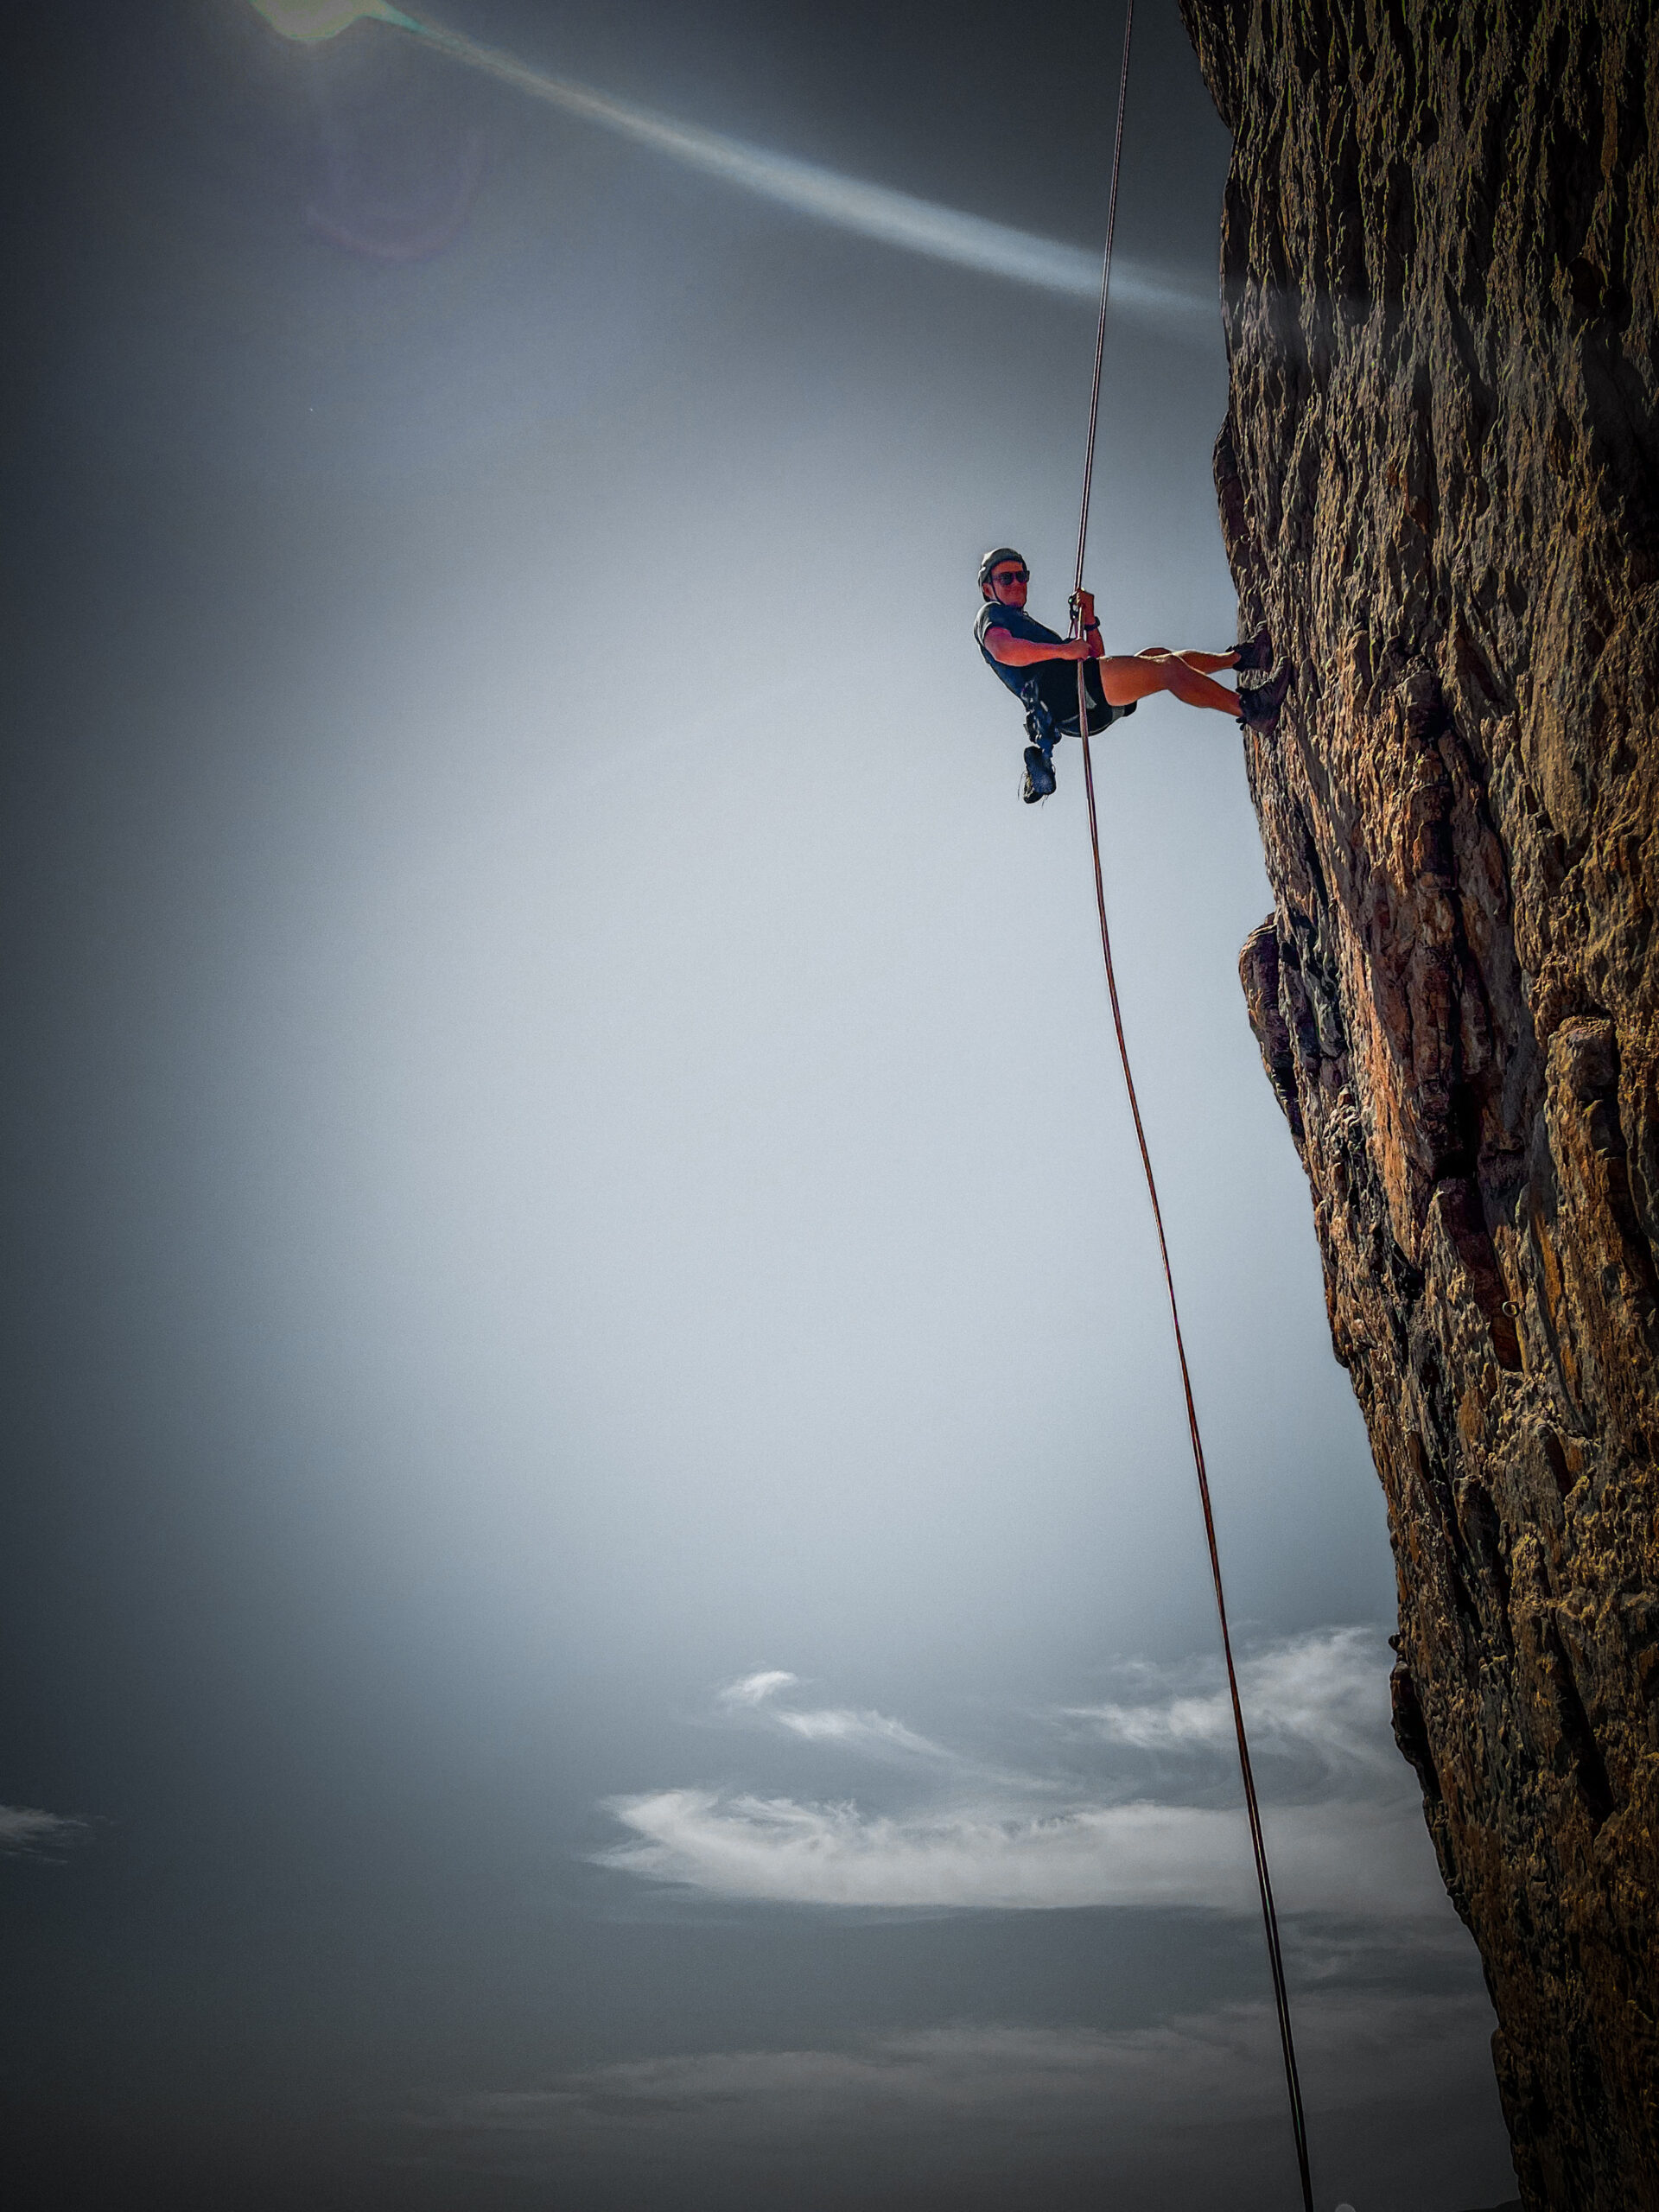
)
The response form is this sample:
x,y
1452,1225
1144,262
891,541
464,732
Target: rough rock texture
x,y
1439,484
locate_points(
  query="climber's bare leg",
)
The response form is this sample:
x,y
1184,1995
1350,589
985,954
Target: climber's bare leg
x,y
1204,663
1125,677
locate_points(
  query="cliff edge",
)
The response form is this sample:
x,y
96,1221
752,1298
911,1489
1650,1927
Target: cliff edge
x,y
1439,484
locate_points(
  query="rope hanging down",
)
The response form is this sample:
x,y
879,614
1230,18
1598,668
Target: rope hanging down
x,y
1258,1845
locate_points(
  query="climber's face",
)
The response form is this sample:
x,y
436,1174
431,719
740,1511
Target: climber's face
x,y
1010,583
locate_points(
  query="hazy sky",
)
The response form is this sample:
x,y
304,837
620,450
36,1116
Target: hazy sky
x,y
604,1598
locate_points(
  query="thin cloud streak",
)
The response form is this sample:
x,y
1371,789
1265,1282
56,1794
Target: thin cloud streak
x,y
865,1730
861,1731
25,1828
1338,1858
846,203
755,1689
1371,2049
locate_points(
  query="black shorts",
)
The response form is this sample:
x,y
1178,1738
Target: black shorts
x,y
1054,689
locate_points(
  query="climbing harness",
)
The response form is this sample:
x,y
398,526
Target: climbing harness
x,y
1258,1845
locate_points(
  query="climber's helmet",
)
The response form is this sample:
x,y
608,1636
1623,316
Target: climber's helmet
x,y
998,557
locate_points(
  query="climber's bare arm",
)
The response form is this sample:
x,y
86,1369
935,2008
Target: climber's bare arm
x,y
1028,652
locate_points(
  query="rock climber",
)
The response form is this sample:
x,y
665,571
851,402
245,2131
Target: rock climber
x,y
1040,670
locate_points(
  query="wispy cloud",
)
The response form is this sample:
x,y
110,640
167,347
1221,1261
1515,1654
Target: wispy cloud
x,y
1329,1858
1373,2049
755,1689
25,1828
856,1729
1316,1699
1126,1801
862,1731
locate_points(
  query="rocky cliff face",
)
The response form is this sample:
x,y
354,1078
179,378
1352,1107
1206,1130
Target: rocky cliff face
x,y
1439,484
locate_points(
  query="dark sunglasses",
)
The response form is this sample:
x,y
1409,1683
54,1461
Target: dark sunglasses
x,y
1011,576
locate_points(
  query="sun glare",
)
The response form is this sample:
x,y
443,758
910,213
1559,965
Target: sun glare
x,y
316,19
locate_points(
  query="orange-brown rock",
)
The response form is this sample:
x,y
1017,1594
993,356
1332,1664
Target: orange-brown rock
x,y
1440,486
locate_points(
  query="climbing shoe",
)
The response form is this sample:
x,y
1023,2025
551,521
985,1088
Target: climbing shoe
x,y
1255,653
1259,710
1039,775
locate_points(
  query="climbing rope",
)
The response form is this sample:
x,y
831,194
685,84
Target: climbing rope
x,y
1258,1844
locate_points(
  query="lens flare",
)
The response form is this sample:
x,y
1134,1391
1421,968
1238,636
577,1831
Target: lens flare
x,y
318,19
846,203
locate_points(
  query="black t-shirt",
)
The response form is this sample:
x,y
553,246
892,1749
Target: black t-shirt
x,y
1056,680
